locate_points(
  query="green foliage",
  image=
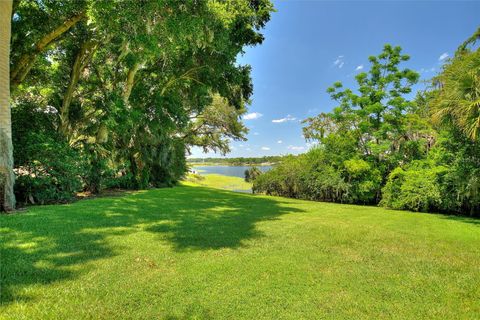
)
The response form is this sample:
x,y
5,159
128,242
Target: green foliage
x,y
364,180
460,188
371,123
282,180
91,77
446,181
325,184
457,100
50,172
252,174
377,146
219,123
121,180
415,188
454,104
168,164
316,175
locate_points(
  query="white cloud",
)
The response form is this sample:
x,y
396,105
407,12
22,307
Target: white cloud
x,y
256,133
279,141
295,148
358,68
252,116
287,118
339,62
443,56
427,70
265,148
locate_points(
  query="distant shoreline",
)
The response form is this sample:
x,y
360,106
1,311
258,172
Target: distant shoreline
x,y
201,164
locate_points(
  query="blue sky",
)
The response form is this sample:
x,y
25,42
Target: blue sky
x,y
311,44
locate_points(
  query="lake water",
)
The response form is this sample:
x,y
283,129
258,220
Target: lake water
x,y
235,171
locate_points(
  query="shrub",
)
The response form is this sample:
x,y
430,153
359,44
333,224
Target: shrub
x,y
283,180
307,176
48,170
364,180
252,174
325,183
415,188
168,164
51,171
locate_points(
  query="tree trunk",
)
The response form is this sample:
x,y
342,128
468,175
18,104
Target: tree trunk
x,y
81,60
7,178
133,171
26,61
130,82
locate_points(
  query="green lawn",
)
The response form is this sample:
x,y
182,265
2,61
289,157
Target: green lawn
x,y
193,252
221,182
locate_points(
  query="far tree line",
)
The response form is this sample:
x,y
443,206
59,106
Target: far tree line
x,y
237,160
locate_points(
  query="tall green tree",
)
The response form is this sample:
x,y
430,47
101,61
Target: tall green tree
x,y
217,125
131,85
374,115
37,25
454,105
458,95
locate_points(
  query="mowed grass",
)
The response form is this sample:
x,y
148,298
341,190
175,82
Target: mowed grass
x,y
192,252
221,182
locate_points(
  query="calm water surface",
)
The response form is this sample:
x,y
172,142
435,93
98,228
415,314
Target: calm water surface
x,y
235,171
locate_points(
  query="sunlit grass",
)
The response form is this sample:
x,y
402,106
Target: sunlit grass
x,y
221,182
193,252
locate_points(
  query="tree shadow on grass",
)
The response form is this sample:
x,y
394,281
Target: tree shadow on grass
x,y
470,220
42,245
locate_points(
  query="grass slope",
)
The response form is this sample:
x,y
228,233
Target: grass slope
x,y
193,252
221,182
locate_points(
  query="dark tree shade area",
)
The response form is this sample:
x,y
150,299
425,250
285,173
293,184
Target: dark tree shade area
x,y
114,93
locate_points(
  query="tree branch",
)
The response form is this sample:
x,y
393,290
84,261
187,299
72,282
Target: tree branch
x,y
26,61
